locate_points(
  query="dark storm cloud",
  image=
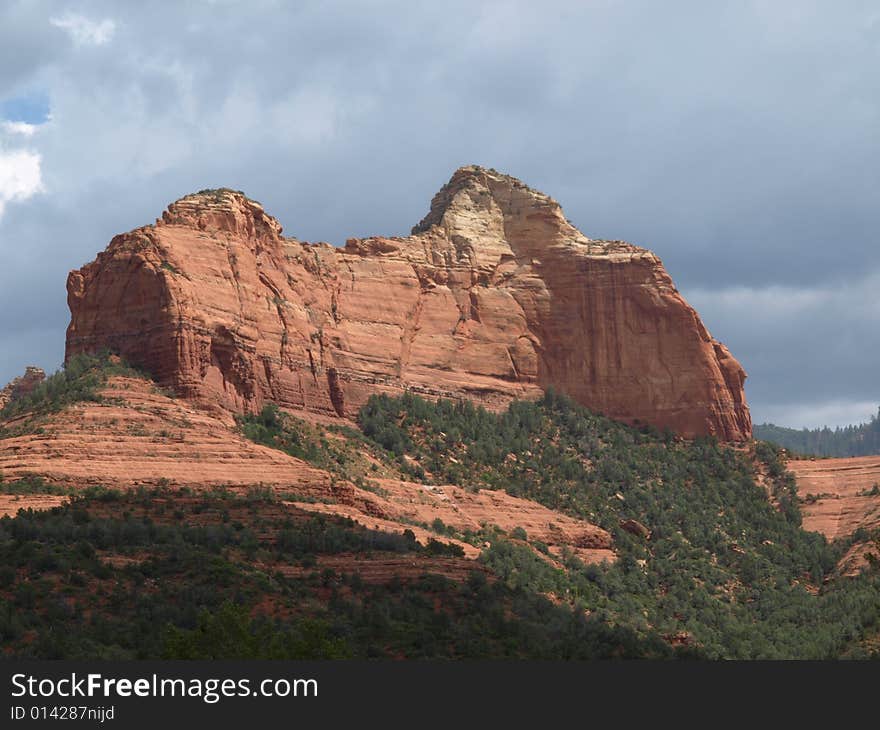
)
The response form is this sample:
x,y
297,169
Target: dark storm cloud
x,y
737,140
811,351
26,44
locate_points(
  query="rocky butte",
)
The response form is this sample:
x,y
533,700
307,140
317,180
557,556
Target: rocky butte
x,y
494,296
22,385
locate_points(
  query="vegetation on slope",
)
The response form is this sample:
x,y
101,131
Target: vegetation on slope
x,y
861,440
152,574
341,450
725,565
78,381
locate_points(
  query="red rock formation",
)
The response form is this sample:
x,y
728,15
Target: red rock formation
x,y
839,497
138,436
22,385
839,494
494,296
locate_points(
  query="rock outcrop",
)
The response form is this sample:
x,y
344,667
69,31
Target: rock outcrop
x,y
136,435
22,385
494,296
839,498
840,495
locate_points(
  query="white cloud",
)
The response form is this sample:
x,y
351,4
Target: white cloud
x,y
84,31
21,128
20,176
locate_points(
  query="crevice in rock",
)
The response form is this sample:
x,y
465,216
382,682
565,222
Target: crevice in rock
x,y
337,398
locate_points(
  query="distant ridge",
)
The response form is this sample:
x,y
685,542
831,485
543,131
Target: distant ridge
x,y
861,440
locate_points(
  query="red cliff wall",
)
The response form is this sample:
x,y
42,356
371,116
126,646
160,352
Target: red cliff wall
x,y
495,296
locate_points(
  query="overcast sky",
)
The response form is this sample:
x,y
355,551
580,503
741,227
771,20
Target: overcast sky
x,y
737,140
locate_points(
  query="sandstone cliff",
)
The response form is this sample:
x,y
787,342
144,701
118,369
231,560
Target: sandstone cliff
x,y
840,497
494,296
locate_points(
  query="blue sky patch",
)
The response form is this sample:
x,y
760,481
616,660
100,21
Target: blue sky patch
x,y
31,108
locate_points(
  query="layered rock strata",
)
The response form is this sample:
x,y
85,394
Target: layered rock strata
x,y
136,435
494,296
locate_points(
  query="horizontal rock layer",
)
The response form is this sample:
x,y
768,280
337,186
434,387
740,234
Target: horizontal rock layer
x,y
838,494
494,296
138,436
840,497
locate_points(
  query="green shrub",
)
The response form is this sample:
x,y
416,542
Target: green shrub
x,y
78,381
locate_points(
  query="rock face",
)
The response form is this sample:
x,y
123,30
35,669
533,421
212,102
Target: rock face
x,y
839,493
22,385
494,296
841,496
